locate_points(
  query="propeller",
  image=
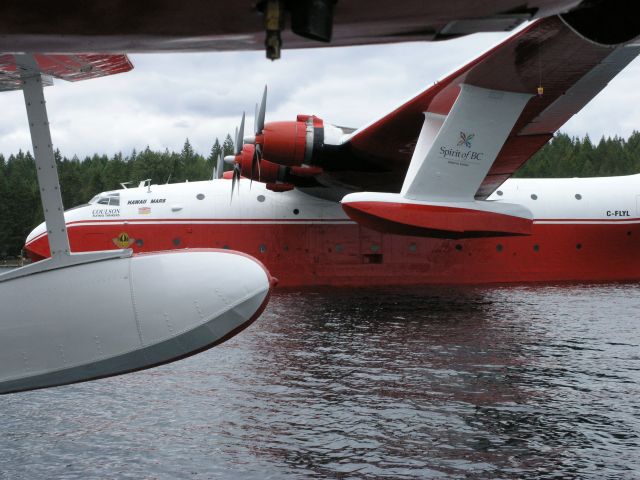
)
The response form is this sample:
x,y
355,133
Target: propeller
x,y
240,140
231,159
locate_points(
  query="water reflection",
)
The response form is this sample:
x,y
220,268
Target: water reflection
x,y
504,382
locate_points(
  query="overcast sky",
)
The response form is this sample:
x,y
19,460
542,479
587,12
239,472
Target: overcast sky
x,y
167,98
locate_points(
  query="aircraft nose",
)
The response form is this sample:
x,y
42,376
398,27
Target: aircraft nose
x,y
36,244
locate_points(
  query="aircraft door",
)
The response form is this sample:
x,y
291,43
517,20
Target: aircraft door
x,y
371,246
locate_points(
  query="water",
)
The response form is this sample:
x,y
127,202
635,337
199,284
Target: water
x,y
500,382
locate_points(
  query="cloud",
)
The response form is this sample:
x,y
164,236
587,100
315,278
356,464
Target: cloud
x,y
167,98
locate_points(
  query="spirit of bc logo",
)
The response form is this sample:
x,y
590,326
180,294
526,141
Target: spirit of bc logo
x,y
465,139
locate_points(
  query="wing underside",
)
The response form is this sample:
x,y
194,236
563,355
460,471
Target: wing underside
x,y
72,68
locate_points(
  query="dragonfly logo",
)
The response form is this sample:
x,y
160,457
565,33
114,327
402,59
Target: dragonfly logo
x,y
465,139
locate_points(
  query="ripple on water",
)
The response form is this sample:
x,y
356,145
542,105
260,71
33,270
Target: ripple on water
x,y
501,382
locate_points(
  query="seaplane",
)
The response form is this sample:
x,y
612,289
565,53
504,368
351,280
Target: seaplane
x,y
421,195
80,316
111,311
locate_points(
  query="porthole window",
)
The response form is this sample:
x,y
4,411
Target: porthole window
x,y
534,196
413,247
261,198
200,196
458,247
578,246
629,233
139,242
578,196
499,192
536,248
339,248
226,247
262,248
499,247
177,242
296,211
375,248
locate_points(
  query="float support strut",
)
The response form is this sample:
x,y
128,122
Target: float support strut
x,y
48,182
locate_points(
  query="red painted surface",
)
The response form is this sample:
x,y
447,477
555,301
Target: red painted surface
x,y
72,68
284,142
434,220
349,255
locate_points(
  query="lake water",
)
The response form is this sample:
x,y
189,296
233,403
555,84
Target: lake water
x,y
499,382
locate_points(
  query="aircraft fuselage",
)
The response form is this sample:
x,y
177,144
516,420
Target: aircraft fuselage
x,y
583,230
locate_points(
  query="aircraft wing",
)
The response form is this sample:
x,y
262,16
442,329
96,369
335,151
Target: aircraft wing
x,y
72,68
558,68
216,25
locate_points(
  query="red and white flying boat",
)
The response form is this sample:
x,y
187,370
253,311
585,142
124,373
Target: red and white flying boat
x,y
421,195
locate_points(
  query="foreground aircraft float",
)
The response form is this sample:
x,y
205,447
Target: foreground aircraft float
x,y
426,188
80,316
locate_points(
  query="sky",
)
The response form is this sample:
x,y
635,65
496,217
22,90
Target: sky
x,y
170,97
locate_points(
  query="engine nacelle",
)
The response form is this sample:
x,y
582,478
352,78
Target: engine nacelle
x,y
292,143
606,23
267,172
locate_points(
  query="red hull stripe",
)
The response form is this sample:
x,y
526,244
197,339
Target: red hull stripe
x,y
347,254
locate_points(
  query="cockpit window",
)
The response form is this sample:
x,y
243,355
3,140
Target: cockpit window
x,y
112,199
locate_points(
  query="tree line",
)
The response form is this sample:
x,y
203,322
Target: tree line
x,y
80,180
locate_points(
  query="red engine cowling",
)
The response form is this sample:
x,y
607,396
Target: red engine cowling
x,y
291,143
267,172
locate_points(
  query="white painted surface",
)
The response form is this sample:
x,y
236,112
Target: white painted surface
x,y
555,201
465,146
118,315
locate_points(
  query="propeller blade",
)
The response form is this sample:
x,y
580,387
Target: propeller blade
x,y
235,178
261,112
235,143
255,161
240,137
255,119
258,155
220,166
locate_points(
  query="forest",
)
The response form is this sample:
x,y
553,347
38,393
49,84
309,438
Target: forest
x,y
81,179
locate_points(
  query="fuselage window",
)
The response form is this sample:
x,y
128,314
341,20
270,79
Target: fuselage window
x,y
112,199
